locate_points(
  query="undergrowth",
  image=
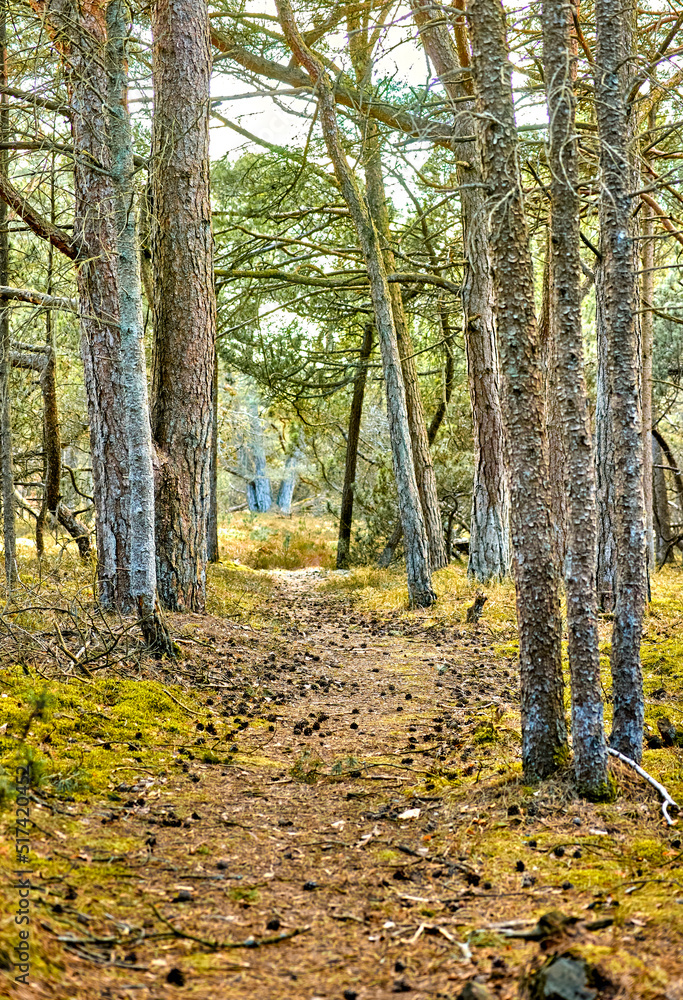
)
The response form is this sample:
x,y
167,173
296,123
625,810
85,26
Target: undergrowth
x,y
278,541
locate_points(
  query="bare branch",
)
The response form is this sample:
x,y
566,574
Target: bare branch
x,y
35,221
35,298
361,101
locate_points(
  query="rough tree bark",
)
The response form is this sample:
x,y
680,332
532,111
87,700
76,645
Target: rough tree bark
x,y
132,369
613,79
184,299
489,553
212,550
647,338
79,34
544,736
414,532
604,457
566,352
355,414
111,355
547,328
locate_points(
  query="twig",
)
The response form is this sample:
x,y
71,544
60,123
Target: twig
x,y
167,692
69,654
100,960
667,800
221,945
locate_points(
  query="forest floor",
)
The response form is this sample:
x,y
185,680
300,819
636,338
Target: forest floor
x,y
322,798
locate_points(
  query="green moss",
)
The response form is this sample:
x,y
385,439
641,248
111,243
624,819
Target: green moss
x,y
244,895
81,739
388,856
485,733
605,791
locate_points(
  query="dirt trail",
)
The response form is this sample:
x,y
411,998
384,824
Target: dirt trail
x,y
361,800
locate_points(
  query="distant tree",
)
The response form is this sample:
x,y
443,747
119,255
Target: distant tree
x,y
414,532
355,414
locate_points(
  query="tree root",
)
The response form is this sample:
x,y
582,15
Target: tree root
x,y
155,632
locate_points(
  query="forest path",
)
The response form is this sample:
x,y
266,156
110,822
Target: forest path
x,y
351,776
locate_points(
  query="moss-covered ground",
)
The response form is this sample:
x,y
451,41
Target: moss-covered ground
x,y
325,779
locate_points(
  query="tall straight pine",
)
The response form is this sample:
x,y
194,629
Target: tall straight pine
x,y
184,299
590,756
614,73
544,733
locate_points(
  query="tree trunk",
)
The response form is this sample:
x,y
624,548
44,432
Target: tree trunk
x,y
544,737
92,43
371,156
133,373
416,542
647,337
212,550
448,377
668,459
80,35
52,438
78,531
346,512
253,455
662,513
604,459
42,360
8,524
548,334
184,299
568,388
289,480
387,553
619,265
489,555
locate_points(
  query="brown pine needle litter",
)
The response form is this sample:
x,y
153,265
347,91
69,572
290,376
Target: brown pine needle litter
x,y
330,782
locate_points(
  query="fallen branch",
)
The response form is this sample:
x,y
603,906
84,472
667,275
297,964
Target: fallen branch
x,y
667,802
250,942
69,654
185,707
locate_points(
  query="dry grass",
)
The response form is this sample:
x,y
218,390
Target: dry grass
x,y
278,541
